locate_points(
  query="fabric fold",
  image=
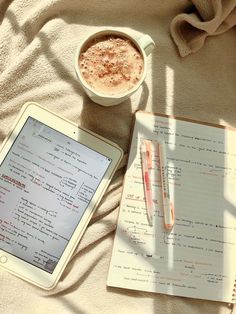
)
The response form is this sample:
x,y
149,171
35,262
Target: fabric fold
x,y
209,18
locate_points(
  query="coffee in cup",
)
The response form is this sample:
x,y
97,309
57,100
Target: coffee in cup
x,y
111,64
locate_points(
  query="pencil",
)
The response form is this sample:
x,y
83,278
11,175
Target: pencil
x,y
167,204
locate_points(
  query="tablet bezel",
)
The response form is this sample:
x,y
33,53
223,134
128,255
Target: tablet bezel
x,y
19,267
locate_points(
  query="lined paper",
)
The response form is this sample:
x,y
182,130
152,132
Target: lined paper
x,y
197,257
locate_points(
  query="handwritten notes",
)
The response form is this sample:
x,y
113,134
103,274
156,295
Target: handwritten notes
x,y
46,183
197,257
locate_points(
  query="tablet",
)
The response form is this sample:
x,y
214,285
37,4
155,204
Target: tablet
x,y
52,177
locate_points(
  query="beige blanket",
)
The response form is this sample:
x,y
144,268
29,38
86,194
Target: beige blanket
x,y
38,40
207,18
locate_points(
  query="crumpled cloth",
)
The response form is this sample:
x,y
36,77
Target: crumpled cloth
x,y
208,18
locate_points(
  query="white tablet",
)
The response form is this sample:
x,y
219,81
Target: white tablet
x,y
52,176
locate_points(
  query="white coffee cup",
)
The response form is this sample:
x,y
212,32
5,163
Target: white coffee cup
x,y
144,44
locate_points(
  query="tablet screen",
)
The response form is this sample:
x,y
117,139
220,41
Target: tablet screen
x,y
47,181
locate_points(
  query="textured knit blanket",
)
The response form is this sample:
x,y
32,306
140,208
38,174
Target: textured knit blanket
x,y
191,73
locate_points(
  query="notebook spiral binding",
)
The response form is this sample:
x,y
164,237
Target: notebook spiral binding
x,y
234,292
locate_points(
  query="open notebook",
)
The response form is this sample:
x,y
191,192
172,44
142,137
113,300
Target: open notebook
x,y
197,257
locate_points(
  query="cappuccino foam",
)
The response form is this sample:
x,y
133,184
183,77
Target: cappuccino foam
x,y
111,65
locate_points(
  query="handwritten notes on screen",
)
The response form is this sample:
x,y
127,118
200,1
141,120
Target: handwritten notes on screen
x,y
46,183
197,257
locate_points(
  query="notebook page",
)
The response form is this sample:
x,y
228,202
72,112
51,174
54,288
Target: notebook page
x,y
196,258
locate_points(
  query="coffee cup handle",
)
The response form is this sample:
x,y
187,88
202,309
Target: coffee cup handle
x,y
146,43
